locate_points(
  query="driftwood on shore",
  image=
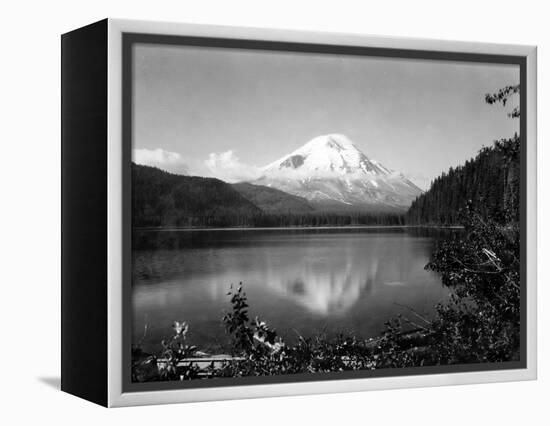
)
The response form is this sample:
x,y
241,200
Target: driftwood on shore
x,y
201,362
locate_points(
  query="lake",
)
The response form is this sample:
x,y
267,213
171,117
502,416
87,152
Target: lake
x,y
300,281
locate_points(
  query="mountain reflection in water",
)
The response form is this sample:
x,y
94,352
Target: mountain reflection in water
x,y
323,286
308,280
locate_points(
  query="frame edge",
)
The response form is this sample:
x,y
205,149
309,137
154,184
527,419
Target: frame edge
x,y
116,396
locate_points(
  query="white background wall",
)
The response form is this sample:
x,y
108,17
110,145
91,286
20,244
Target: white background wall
x,y
30,200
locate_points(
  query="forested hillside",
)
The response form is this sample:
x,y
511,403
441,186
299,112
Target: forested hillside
x,y
160,198
489,183
271,200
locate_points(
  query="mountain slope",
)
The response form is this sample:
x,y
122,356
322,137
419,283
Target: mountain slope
x,y
331,172
271,200
160,198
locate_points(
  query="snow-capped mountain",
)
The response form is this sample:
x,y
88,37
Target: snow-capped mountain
x,y
330,170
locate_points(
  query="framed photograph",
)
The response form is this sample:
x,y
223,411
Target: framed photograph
x,y
252,212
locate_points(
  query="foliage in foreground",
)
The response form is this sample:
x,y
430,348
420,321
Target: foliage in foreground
x,y
480,323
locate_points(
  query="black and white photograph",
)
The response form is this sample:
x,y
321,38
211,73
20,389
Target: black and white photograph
x,y
303,212
296,213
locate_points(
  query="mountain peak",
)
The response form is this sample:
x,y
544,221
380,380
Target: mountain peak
x,y
331,168
333,141
327,155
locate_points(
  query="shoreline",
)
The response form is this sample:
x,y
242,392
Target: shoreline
x,y
283,228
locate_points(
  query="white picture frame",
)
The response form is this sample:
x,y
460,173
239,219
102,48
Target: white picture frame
x,y
116,393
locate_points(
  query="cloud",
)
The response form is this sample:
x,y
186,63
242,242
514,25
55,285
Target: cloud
x,y
165,160
227,166
420,180
223,165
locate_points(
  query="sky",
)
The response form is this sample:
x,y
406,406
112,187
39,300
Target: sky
x,y
227,112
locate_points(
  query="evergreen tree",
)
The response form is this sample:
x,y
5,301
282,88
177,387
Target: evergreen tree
x,y
489,182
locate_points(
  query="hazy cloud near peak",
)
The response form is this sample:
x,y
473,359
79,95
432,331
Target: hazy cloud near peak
x,y
228,167
420,180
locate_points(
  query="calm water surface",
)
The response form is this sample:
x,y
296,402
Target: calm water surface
x,y
300,281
